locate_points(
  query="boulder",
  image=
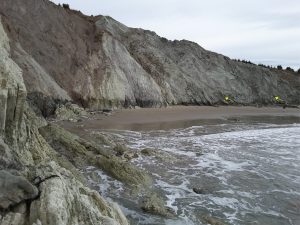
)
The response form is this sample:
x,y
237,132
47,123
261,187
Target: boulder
x,y
124,171
102,138
155,205
212,221
120,149
14,190
159,154
200,191
125,153
71,112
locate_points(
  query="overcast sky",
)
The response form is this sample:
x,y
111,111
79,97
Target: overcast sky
x,y
263,31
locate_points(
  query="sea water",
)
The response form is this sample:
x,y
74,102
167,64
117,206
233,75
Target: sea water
x,y
249,173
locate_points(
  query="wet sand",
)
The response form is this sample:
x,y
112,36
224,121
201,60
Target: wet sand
x,y
181,116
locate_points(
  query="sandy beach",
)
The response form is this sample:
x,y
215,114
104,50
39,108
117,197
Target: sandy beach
x,y
179,116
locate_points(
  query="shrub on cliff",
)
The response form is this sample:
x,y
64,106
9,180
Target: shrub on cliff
x,y
279,67
66,6
290,69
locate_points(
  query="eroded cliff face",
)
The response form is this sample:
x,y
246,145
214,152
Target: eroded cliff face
x,y
38,186
101,63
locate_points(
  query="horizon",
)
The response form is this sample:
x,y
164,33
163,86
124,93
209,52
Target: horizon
x,y
254,32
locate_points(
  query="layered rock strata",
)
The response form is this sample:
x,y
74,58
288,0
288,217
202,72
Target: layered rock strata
x,y
100,63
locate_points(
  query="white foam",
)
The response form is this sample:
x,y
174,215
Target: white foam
x,y
107,183
226,202
250,135
174,192
216,161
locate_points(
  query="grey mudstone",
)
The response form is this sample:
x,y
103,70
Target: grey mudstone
x,y
14,190
100,63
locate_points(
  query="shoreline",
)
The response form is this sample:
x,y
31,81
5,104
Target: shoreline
x,y
177,116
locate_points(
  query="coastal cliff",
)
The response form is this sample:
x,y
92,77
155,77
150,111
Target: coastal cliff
x,y
51,57
100,63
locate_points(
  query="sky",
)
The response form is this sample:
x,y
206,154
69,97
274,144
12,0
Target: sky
x,y
262,31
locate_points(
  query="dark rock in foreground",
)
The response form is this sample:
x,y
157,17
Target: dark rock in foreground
x,y
200,191
14,190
